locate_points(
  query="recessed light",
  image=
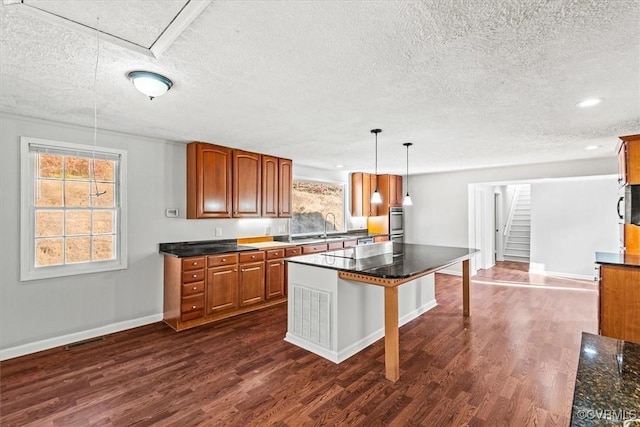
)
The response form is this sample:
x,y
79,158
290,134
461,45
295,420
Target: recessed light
x,y
339,166
591,147
589,102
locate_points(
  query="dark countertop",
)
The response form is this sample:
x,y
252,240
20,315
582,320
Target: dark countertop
x,y
605,395
202,248
622,259
407,260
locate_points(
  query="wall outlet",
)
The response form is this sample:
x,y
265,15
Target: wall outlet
x,y
171,213
218,231
282,229
268,230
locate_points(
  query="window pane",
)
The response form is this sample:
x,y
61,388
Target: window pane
x,y
104,200
49,223
103,222
103,248
50,165
49,252
76,168
312,201
77,249
76,194
103,170
78,222
48,193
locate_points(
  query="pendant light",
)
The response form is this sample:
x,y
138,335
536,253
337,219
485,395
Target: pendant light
x,y
407,198
376,199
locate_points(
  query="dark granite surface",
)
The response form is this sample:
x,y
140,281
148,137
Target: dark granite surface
x,y
204,247
623,259
407,260
607,392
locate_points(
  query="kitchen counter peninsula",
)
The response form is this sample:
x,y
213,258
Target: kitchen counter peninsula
x,y
339,305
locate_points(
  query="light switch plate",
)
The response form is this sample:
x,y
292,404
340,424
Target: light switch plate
x,y
171,213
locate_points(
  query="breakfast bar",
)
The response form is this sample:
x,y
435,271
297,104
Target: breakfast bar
x,y
339,305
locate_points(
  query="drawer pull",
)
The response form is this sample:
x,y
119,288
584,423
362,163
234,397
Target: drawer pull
x,y
193,307
195,288
194,276
194,263
253,257
224,259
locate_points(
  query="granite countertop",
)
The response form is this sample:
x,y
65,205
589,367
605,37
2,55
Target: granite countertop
x,y
622,259
607,393
202,248
406,261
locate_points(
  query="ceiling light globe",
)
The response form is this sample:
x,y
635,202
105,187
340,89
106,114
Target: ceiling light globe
x,y
150,84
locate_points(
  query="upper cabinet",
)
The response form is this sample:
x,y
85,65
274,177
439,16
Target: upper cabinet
x,y
629,159
225,183
364,184
246,184
285,185
208,181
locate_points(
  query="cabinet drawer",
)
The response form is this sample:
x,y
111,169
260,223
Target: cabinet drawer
x,y
225,259
350,243
293,251
192,307
275,253
192,276
251,256
311,249
192,263
192,289
332,246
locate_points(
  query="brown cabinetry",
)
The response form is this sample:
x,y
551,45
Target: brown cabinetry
x,y
629,159
315,248
251,278
208,181
222,283
247,187
225,183
620,302
362,187
275,274
390,188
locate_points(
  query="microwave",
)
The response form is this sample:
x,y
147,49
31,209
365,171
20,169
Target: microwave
x,y
396,220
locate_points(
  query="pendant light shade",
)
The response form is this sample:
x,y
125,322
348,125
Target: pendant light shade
x,y
151,84
407,198
376,198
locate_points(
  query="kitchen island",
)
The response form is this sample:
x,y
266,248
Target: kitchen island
x,y
339,305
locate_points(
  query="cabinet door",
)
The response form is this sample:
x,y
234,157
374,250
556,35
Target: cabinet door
x,y
251,283
269,186
208,181
246,184
274,285
221,292
362,186
629,159
285,185
397,190
620,302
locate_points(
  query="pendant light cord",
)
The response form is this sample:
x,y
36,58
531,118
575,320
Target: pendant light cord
x,y
407,169
95,114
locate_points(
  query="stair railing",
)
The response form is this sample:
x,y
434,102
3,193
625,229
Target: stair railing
x,y
512,210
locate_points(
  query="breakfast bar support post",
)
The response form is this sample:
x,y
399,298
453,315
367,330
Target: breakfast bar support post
x,y
465,288
391,334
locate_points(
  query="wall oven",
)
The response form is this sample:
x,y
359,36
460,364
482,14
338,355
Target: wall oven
x,y
396,222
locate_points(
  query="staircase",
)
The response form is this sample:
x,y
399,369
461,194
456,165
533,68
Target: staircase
x,y
518,228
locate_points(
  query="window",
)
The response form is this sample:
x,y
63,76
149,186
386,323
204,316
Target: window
x,y
312,201
73,215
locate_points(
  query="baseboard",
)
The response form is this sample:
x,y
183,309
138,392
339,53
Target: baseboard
x,y
542,272
450,272
34,347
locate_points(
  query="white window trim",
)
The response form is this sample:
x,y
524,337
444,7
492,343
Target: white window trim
x,y
28,271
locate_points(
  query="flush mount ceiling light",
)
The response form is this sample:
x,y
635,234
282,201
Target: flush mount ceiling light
x,y
589,102
407,198
591,147
151,84
376,199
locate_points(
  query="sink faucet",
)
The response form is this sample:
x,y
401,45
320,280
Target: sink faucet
x,y
326,217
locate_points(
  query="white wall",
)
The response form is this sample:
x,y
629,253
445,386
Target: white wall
x,y
440,211
570,221
41,314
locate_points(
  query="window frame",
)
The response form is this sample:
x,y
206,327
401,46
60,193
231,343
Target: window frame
x,y
345,209
28,269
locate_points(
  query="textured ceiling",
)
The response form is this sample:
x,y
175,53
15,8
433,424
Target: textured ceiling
x,y
471,84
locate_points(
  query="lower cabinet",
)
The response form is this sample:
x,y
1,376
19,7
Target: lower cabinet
x,y
275,275
620,302
251,280
222,289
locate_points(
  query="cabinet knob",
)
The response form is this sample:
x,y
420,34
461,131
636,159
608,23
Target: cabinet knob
x,y
195,287
235,269
193,307
195,263
253,257
224,259
195,275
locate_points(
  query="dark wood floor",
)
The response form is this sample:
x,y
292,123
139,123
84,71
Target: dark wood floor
x,y
512,363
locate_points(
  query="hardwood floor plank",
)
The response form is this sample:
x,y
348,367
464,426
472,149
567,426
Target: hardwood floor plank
x,y
513,362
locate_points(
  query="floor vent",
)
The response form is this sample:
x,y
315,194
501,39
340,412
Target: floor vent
x,y
79,344
311,314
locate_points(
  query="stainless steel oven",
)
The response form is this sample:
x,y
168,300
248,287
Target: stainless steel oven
x,y
396,221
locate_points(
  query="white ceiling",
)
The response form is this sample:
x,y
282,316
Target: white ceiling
x,y
471,84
